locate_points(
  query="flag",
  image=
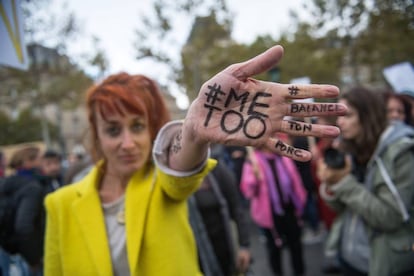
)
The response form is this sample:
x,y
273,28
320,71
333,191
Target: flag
x,y
13,51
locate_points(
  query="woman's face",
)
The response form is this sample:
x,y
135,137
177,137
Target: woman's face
x,y
395,109
349,123
125,142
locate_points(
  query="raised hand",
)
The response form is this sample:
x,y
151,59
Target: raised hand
x,y
233,108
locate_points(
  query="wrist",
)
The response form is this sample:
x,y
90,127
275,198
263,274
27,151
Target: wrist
x,y
190,133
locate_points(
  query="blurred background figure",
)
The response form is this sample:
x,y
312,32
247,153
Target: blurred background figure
x,y
26,216
77,155
398,107
313,232
52,170
220,207
373,191
233,157
409,96
79,164
277,197
327,215
2,164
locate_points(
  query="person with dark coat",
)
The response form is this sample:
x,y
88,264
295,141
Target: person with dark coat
x,y
52,173
218,203
28,216
27,199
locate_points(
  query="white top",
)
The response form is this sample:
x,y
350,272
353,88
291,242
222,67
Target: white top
x,y
115,229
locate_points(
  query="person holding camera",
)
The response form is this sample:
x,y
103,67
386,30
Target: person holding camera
x,y
371,188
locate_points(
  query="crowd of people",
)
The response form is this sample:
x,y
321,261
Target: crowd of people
x,y
159,197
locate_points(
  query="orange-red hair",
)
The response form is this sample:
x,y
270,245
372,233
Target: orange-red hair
x,y
134,93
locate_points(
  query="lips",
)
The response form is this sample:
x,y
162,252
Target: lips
x,y
128,158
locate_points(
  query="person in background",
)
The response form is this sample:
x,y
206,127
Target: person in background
x,y
4,256
234,157
277,197
373,193
76,155
313,231
398,107
218,203
77,170
51,168
129,215
327,214
27,194
2,165
409,96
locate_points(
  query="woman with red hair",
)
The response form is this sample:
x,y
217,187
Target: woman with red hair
x,y
129,216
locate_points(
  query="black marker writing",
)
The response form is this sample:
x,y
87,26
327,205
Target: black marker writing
x,y
232,95
255,103
288,149
298,107
299,127
210,113
257,132
293,90
254,127
232,116
214,94
234,120
176,145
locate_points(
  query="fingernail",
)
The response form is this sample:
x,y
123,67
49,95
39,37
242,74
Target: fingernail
x,y
332,90
332,131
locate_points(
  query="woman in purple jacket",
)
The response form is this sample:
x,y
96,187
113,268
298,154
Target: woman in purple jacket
x,y
277,197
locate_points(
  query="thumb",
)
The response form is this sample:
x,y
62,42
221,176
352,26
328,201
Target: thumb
x,y
259,64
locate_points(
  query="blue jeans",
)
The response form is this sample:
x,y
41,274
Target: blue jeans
x,y
4,263
9,263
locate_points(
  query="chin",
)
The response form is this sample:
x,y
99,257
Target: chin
x,y
131,168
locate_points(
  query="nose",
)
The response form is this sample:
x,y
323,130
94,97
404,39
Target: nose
x,y
339,122
127,140
393,114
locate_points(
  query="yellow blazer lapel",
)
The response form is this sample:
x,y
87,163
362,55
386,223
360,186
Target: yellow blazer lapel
x,y
87,208
138,196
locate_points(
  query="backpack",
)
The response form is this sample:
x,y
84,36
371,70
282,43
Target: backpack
x,y
8,208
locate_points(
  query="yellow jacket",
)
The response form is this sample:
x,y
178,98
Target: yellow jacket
x,y
159,239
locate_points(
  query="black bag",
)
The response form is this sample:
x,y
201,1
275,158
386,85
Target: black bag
x,y
8,206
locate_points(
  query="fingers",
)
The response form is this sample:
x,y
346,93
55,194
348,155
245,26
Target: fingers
x,y
307,129
303,91
279,147
243,260
259,64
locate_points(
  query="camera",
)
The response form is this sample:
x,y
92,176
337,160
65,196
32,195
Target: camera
x,y
334,158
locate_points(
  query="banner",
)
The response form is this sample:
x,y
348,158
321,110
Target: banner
x,y
400,76
13,51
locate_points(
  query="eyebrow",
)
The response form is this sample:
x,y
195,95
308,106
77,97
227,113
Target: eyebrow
x,y
110,122
138,118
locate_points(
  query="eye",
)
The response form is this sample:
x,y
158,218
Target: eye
x,y
113,131
138,126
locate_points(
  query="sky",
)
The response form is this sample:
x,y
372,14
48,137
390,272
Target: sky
x,y
113,23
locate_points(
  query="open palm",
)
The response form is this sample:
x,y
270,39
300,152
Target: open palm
x,y
233,108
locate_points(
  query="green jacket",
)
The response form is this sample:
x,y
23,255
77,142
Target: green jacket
x,y
386,216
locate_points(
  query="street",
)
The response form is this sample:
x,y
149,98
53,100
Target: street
x,y
313,255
